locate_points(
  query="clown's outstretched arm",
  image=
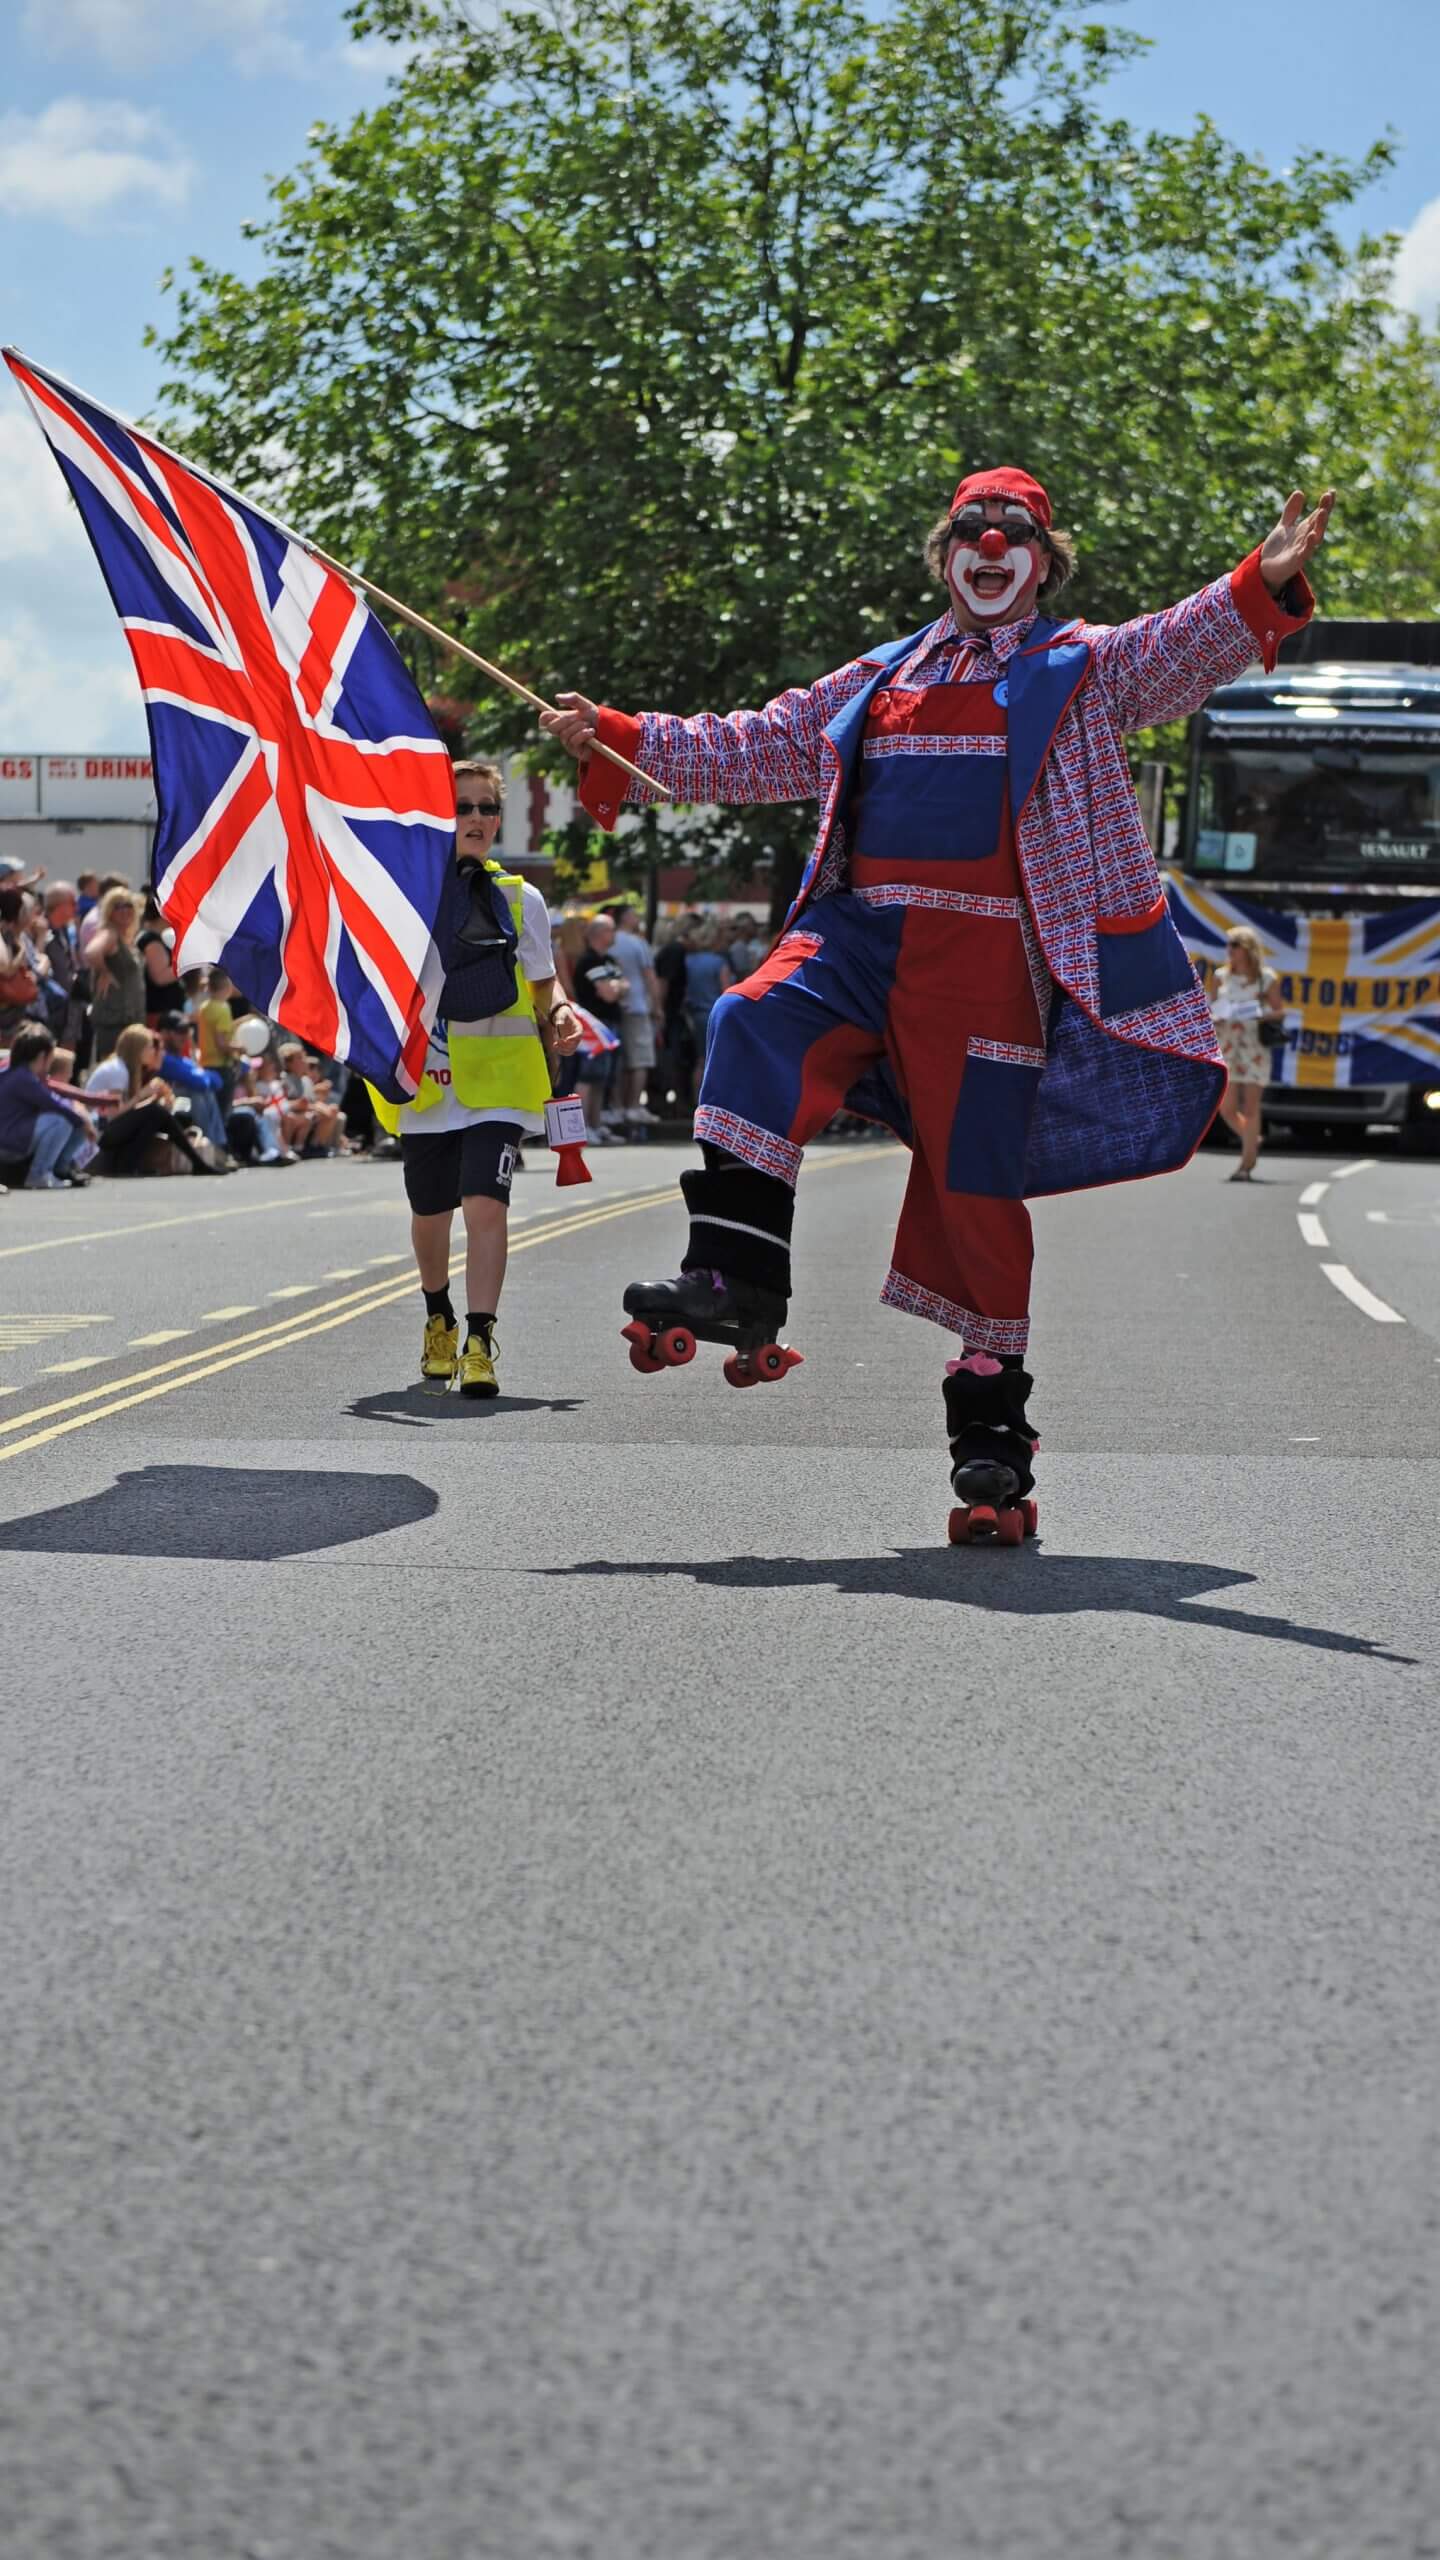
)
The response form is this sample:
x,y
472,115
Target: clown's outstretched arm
x,y
1162,665
774,754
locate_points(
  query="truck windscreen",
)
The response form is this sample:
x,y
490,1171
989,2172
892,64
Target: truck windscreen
x,y
1283,804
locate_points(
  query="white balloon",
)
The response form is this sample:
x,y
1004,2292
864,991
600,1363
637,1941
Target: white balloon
x,y
252,1035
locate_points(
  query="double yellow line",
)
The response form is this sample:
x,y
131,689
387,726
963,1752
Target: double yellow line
x,y
163,1377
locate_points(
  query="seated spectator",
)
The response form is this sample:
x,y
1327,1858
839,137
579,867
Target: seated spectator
x,y
292,1121
60,1077
19,981
44,1139
307,1091
201,1087
146,1135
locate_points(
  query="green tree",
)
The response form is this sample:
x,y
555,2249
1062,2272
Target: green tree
x,y
642,343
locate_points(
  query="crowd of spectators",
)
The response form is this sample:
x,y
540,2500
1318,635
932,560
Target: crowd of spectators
x,y
111,1062
657,1000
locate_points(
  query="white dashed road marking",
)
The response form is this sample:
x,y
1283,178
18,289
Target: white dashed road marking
x,y
1362,1164
1311,1230
167,1333
222,1315
1358,1295
1313,1194
63,1368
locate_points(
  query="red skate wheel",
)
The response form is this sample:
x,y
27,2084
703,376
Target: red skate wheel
x,y
959,1528
1010,1529
738,1371
642,1356
1030,1514
771,1361
675,1348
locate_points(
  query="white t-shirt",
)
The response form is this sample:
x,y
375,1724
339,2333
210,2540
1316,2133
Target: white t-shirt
x,y
111,1076
534,960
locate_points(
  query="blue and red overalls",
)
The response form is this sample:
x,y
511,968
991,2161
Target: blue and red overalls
x,y
927,959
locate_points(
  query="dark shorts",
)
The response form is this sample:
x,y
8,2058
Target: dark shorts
x,y
459,1164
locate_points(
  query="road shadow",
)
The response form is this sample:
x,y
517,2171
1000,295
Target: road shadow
x,y
1026,1582
235,1515
416,1404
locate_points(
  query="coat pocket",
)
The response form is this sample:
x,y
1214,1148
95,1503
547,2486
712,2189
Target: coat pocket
x,y
1141,960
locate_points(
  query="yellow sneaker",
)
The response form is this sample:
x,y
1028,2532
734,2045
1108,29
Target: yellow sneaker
x,y
440,1357
477,1367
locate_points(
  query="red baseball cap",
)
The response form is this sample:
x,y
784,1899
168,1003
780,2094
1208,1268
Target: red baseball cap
x,y
1005,483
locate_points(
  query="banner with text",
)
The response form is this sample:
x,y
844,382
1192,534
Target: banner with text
x,y
1362,992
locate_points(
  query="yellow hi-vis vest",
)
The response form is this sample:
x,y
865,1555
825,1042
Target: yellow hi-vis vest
x,y
497,1065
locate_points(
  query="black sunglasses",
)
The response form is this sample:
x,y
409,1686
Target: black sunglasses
x,y
968,529
477,808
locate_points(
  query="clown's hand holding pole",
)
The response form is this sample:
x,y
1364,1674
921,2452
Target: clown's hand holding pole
x,y
574,722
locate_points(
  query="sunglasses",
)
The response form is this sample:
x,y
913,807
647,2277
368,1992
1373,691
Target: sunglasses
x,y
477,808
1016,529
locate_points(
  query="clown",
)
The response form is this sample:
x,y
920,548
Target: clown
x,y
980,954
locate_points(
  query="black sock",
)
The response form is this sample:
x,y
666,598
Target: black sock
x,y
483,1325
437,1303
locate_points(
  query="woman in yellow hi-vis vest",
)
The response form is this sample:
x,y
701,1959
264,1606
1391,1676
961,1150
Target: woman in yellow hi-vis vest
x,y
485,1086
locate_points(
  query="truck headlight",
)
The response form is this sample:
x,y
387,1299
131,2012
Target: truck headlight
x,y
1431,1101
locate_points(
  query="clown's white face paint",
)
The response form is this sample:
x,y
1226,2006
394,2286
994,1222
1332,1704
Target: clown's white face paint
x,y
986,591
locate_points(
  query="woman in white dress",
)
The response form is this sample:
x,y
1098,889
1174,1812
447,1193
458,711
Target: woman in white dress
x,y
1244,994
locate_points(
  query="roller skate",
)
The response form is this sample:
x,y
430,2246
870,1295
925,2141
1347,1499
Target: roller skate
x,y
671,1318
991,1448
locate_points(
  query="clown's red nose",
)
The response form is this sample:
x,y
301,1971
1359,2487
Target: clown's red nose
x,y
992,544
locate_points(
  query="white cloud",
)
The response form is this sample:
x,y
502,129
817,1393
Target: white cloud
x,y
83,157
1417,269
124,32
65,673
57,701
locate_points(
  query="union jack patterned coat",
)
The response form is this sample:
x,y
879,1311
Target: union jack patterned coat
x,y
1132,1076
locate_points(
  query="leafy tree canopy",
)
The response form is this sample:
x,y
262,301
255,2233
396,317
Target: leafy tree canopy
x,y
641,341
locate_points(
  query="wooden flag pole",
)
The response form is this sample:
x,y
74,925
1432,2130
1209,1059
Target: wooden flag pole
x,y
473,658
15,356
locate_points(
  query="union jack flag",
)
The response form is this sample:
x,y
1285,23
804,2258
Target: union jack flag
x,y
306,804
596,1037
1362,992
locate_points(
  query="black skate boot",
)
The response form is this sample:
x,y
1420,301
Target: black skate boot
x,y
991,1449
734,1284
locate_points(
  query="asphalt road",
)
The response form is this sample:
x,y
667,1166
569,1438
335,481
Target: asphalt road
x,y
577,1986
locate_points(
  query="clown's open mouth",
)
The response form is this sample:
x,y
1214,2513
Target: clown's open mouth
x,y
990,582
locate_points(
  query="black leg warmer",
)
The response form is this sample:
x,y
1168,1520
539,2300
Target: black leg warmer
x,y
740,1223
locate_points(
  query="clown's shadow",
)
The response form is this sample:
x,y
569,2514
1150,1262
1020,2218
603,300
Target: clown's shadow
x,y
417,1404
1026,1582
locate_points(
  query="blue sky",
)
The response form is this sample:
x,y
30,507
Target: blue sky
x,y
135,133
